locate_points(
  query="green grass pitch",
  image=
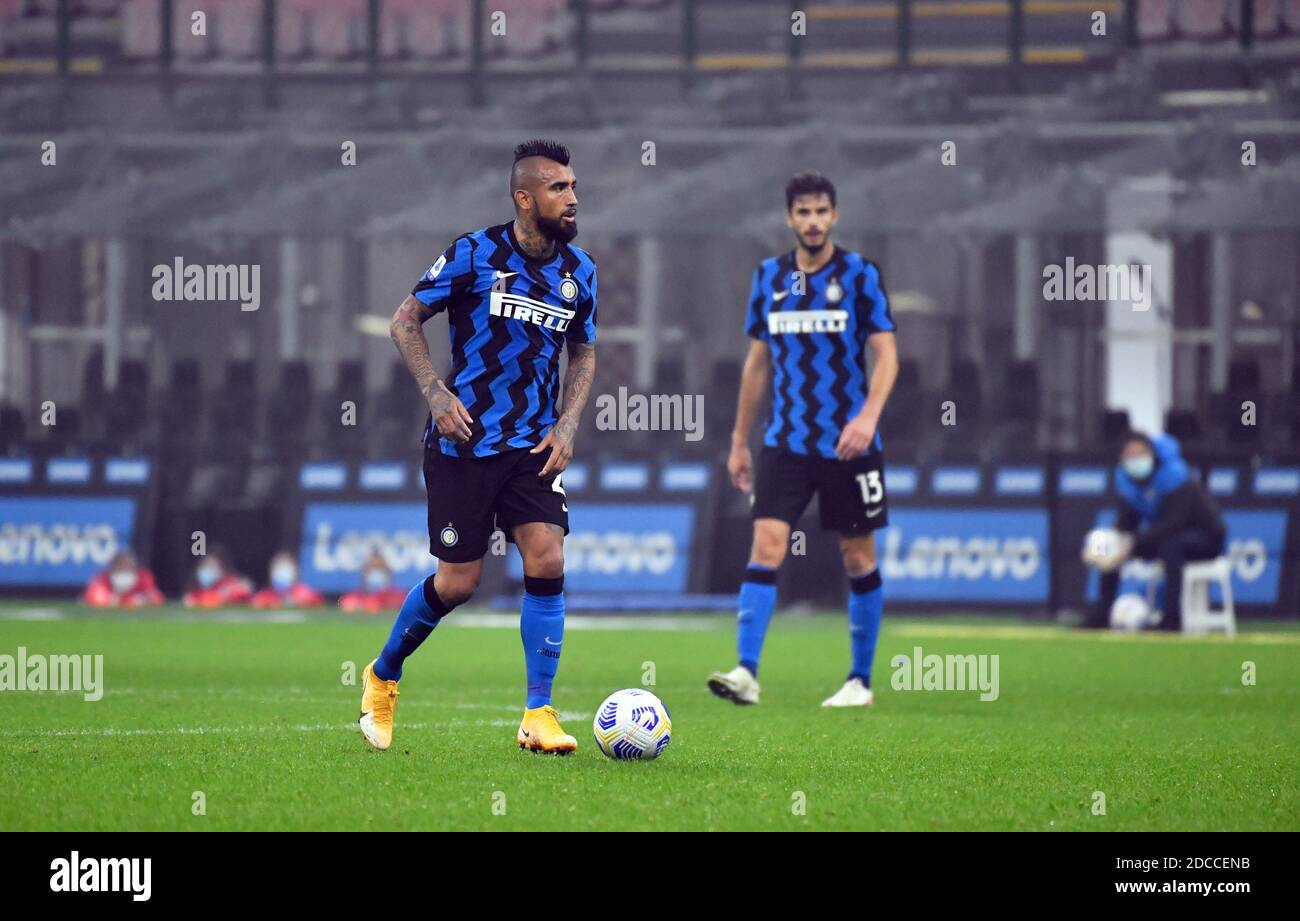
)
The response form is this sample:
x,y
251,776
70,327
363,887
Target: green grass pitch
x,y
257,717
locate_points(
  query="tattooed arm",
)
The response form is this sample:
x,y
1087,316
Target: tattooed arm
x,y
450,417
577,387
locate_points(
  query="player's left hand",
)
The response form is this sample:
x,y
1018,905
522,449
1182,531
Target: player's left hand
x,y
560,440
855,439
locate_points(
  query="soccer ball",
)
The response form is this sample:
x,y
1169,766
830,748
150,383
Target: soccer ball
x,y
632,725
1102,548
1130,612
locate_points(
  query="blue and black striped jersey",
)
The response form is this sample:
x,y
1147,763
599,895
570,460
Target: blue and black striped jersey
x,y
817,327
509,316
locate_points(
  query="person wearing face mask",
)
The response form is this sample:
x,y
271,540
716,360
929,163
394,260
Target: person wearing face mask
x,y
1168,515
215,586
286,590
377,592
124,584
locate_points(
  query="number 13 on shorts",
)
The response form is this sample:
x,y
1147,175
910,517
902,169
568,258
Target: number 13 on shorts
x,y
873,490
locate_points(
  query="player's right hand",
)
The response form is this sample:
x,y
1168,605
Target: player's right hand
x,y
740,465
450,416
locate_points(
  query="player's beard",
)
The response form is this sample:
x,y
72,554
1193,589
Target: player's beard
x,y
814,250
555,230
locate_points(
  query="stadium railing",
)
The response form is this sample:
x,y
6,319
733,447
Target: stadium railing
x,y
692,36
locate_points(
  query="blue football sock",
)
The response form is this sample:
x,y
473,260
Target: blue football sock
x,y
757,599
541,625
866,599
417,617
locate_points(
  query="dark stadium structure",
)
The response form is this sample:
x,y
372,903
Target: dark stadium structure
x,y
230,148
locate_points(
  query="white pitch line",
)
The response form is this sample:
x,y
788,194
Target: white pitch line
x,y
231,616
290,696
649,622
31,614
216,616
591,622
1055,632
235,730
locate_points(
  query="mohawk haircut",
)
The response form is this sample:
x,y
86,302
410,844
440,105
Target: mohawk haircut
x,y
808,184
541,147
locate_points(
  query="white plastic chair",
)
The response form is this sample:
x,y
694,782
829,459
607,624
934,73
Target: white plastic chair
x,y
1198,615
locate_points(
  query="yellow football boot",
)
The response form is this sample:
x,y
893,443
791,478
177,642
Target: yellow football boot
x,y
378,704
541,732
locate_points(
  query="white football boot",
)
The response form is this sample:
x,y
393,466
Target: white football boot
x,y
737,685
853,694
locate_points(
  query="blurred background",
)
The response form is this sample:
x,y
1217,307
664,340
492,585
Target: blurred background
x,y
972,144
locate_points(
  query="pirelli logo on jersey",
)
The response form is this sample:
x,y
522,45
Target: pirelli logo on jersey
x,y
518,307
807,321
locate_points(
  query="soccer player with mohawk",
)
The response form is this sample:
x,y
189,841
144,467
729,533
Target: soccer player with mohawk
x,y
813,313
496,443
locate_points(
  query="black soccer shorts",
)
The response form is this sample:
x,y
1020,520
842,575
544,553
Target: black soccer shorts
x,y
470,497
850,494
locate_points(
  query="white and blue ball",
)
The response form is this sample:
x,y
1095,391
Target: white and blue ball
x,y
1131,613
632,725
1103,548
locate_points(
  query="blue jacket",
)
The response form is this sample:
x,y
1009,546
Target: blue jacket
x,y
1147,499
1171,502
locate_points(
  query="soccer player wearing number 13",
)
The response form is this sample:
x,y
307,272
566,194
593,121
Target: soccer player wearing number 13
x,y
812,314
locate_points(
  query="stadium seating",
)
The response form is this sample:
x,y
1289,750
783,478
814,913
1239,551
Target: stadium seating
x,y
324,34
139,29
183,407
1020,415
288,411
128,410
1185,426
1243,387
1293,410
235,412
1268,17
1115,425
903,424
1201,19
13,430
419,30
238,29
965,440
187,45
335,438
187,422
720,399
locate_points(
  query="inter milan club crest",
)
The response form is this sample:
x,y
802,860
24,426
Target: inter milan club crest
x,y
449,536
834,293
569,290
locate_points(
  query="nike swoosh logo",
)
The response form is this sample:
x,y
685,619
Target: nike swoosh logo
x,y
552,642
500,275
525,733
778,296
875,513
563,506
